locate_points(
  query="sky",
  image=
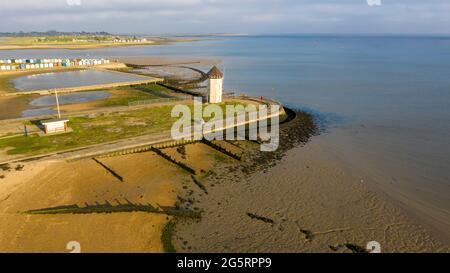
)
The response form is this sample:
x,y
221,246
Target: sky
x,y
228,16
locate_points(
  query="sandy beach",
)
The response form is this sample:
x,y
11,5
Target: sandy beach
x,y
299,199
147,179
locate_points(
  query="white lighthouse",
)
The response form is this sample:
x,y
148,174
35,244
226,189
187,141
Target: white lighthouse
x,y
215,85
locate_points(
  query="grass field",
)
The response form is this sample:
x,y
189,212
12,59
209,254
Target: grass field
x,y
70,42
56,40
95,130
88,131
123,96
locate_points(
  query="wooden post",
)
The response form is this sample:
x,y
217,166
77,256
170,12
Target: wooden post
x,y
57,103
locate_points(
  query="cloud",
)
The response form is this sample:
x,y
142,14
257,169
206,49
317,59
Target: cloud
x,y
73,2
206,16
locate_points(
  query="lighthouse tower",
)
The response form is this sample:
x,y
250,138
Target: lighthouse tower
x,y
215,85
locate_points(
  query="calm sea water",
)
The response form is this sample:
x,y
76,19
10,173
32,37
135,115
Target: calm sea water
x,y
69,79
387,101
79,97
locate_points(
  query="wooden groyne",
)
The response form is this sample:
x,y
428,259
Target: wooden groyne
x,y
108,208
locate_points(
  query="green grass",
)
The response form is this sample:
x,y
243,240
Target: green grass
x,y
95,130
57,40
166,237
130,94
18,41
155,89
89,131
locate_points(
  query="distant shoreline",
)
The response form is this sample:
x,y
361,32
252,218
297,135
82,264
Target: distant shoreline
x,y
81,46
73,47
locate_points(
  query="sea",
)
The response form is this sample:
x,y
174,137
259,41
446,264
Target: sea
x,y
383,101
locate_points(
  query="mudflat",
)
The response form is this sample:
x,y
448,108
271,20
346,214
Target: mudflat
x,y
299,199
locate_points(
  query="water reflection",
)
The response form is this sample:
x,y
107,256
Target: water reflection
x,y
38,112
80,97
70,79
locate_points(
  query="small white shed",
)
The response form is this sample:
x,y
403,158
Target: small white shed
x,y
54,125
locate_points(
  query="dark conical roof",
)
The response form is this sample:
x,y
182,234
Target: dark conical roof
x,y
215,73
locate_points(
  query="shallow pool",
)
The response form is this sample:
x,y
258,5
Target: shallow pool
x,y
79,97
54,80
38,112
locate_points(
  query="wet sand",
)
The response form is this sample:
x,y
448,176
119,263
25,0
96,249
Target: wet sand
x,y
199,157
298,199
12,107
314,204
147,179
307,202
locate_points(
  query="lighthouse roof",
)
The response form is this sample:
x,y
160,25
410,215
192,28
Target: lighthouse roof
x,y
215,73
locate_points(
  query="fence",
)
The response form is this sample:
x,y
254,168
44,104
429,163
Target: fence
x,y
153,101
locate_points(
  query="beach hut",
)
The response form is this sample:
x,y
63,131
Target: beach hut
x,y
54,125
